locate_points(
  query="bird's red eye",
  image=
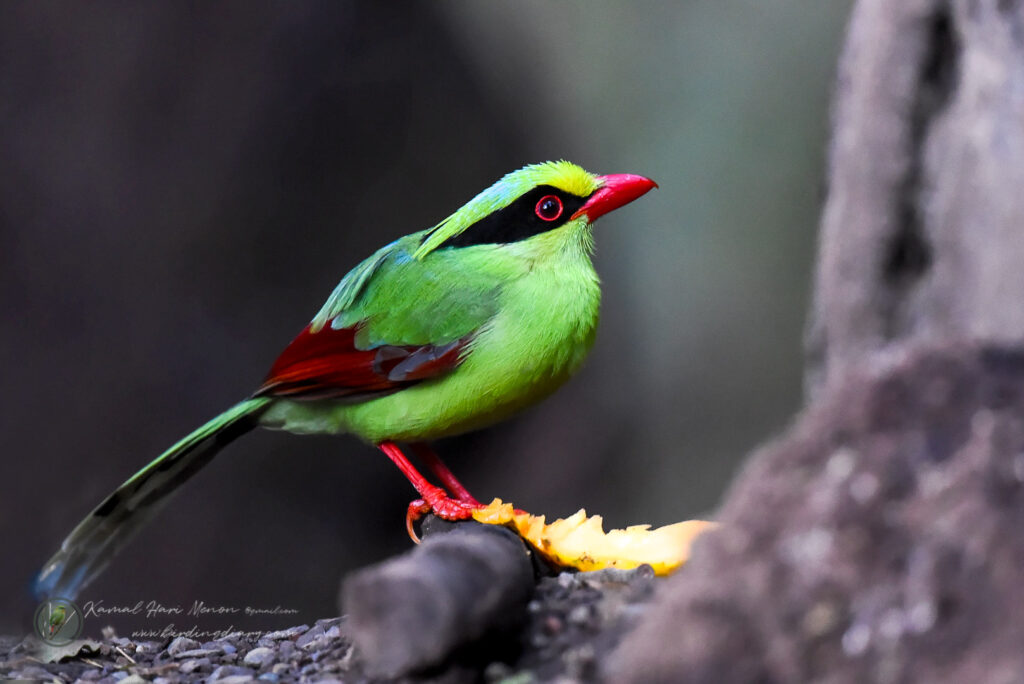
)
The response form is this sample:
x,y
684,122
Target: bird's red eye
x,y
549,207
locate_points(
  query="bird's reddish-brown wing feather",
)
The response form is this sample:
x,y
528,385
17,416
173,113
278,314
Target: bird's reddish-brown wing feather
x,y
326,364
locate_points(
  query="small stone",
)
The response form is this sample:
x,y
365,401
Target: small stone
x,y
190,666
567,580
134,679
197,653
579,616
269,677
290,633
311,635
820,619
333,632
182,644
280,668
580,663
236,679
225,671
285,650
856,640
259,657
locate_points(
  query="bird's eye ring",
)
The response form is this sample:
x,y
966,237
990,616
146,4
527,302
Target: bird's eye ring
x,y
549,208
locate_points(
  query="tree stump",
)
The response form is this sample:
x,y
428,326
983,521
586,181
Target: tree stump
x,y
878,540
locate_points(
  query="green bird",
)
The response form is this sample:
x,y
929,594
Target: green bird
x,y
446,330
58,617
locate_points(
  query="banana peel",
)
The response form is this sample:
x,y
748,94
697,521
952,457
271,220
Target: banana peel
x,y
580,542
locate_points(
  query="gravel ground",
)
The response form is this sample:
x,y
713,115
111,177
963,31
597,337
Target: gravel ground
x,y
572,621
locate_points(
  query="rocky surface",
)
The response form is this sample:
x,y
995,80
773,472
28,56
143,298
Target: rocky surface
x,y
878,541
571,620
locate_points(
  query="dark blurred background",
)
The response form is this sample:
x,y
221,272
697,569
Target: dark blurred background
x,y
182,184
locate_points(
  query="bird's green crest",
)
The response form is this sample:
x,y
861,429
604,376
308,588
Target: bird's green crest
x,y
563,175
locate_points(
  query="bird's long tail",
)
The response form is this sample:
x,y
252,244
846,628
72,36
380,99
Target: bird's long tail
x,y
91,545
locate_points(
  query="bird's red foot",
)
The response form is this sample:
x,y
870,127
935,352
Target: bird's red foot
x,y
435,500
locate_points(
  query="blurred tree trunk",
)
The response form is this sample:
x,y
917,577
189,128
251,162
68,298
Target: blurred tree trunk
x,y
922,236
878,540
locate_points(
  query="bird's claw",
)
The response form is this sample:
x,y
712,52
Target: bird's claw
x,y
437,501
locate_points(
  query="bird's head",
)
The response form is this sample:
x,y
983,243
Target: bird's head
x,y
558,200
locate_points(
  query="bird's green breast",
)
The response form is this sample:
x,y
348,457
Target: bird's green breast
x,y
544,321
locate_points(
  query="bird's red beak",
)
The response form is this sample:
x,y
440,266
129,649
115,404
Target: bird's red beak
x,y
616,190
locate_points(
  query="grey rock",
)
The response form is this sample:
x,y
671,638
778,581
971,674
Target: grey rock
x,y
311,635
230,671
190,666
259,657
290,633
182,644
197,653
884,528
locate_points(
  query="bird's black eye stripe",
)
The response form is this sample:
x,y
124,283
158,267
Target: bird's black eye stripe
x,y
519,220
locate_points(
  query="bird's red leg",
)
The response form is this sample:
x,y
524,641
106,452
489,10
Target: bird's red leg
x,y
434,499
447,477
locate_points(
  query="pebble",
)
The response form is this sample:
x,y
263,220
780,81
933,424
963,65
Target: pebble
x,y
259,657
310,636
225,671
134,679
190,666
553,624
580,616
567,580
236,679
35,672
182,644
197,653
290,633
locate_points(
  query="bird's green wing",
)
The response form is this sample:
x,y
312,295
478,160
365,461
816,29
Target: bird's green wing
x,y
392,321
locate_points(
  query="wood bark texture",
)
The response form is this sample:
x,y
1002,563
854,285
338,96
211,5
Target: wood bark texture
x,y
922,236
